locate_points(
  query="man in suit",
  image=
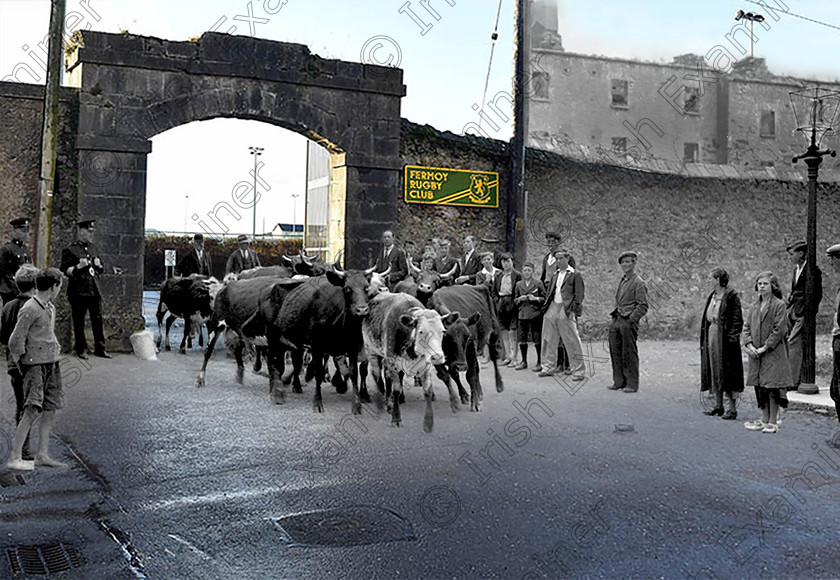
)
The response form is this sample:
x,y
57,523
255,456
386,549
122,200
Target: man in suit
x,y
470,263
242,259
196,261
391,257
446,264
833,254
561,309
81,263
796,306
13,255
549,267
630,305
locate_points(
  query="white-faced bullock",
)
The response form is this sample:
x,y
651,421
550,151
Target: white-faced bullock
x,y
404,338
235,303
461,349
190,298
325,313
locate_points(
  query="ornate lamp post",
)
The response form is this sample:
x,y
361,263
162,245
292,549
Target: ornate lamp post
x,y
815,110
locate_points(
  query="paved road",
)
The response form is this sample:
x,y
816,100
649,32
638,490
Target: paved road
x,y
168,481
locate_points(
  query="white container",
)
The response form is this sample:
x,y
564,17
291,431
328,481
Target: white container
x,y
143,343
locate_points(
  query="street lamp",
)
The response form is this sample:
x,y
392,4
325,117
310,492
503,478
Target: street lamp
x,y
294,213
752,17
815,110
256,152
186,210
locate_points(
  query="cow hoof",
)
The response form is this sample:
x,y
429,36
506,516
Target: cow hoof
x,y
239,376
199,383
182,351
453,403
395,423
475,408
364,396
278,397
465,400
318,407
402,398
428,424
168,349
297,389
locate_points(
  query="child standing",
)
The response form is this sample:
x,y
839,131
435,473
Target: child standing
x,y
25,282
528,295
34,349
763,339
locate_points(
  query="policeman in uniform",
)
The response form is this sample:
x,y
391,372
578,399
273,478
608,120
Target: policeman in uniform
x,y
82,265
13,255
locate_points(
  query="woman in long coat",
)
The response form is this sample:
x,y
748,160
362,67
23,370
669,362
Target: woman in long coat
x,y
721,369
763,338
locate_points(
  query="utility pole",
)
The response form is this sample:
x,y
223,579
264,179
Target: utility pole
x,y
514,221
49,135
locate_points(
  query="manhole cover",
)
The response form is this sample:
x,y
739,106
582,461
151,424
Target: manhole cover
x,y
11,480
351,526
43,560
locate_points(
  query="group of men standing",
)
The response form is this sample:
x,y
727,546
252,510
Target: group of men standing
x,y
548,308
82,265
198,260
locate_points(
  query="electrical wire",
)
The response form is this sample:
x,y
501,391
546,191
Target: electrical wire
x,y
763,4
495,37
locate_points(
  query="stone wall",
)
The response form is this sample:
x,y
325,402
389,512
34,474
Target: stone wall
x,y
681,226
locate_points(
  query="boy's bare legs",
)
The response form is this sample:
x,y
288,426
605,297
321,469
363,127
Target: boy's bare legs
x,y
15,461
42,457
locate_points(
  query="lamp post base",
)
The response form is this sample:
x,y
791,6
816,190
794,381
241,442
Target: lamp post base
x,y
808,389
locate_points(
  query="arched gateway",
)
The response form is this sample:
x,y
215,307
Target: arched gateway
x,y
132,88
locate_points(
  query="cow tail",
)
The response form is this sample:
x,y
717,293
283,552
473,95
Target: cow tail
x,y
495,337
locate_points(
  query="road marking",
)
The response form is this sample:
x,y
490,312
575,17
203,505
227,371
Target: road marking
x,y
190,546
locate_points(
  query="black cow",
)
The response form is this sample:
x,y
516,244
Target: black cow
x,y
190,298
326,313
235,304
421,284
474,303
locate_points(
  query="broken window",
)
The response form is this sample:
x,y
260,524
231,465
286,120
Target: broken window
x,y
540,85
692,101
619,93
768,124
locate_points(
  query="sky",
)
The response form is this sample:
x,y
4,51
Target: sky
x,y
445,68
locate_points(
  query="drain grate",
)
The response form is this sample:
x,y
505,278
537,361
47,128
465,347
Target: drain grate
x,y
43,560
353,526
11,480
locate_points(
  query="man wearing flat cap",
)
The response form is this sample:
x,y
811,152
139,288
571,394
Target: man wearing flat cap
x,y
630,305
196,261
833,254
796,306
13,255
491,244
81,263
242,259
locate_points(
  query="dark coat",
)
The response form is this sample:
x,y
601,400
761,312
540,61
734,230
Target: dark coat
x,y
547,272
13,255
82,282
529,309
796,300
471,267
190,264
572,293
631,299
729,326
515,277
236,261
771,370
396,260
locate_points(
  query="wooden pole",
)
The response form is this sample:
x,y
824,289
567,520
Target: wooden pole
x,y
514,222
49,136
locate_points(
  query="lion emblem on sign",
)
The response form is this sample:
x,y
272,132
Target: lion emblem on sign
x,y
479,190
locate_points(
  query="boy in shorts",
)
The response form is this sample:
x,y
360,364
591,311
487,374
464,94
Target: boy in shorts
x,y
34,349
25,282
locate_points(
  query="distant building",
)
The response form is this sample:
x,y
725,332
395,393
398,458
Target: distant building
x,y
718,109
288,230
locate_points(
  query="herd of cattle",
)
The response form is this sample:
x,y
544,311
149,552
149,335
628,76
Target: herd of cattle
x,y
308,306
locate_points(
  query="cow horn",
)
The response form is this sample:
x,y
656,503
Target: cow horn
x,y
370,270
337,266
305,259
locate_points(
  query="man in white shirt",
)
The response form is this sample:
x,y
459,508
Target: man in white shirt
x,y
563,305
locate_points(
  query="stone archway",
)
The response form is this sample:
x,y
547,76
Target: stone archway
x,y
132,88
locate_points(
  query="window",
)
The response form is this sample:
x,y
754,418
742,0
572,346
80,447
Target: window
x,y
619,94
691,105
540,85
691,153
768,124
619,144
